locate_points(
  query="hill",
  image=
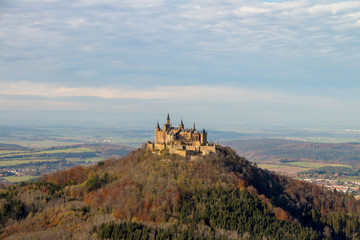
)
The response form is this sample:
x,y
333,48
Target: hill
x,y
269,150
4,146
149,196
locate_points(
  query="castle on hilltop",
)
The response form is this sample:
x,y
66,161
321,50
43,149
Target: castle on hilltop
x,y
180,140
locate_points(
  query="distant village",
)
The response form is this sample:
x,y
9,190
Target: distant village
x,y
350,187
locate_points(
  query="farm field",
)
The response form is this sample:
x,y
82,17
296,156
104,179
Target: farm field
x,y
331,139
15,179
284,151
20,164
316,164
43,143
66,150
291,168
282,169
32,155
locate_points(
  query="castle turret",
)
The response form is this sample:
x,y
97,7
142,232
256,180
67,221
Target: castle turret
x,y
158,134
168,120
203,137
181,125
167,126
157,126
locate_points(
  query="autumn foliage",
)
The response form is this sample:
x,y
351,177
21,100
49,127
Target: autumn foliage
x,y
220,194
74,175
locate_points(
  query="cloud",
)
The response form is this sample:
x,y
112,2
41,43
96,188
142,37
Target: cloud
x,y
250,10
194,93
169,25
335,8
181,51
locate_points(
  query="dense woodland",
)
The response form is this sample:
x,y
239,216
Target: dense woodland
x,y
263,150
149,196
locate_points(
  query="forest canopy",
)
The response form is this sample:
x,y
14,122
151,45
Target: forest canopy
x,y
147,196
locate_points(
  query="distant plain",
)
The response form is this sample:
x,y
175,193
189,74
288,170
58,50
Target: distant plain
x,y
269,148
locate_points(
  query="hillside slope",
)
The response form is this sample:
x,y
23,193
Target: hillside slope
x,y
149,196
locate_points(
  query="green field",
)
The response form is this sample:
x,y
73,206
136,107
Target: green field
x,y
93,159
296,167
315,164
330,139
37,144
18,157
6,152
67,150
14,179
270,166
21,161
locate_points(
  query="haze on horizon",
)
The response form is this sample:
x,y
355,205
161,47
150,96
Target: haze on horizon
x,y
292,62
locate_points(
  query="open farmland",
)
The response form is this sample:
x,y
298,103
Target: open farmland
x,y
18,163
283,169
279,151
47,152
14,179
315,164
291,168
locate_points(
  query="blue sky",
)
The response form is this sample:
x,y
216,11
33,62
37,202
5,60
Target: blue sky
x,y
213,61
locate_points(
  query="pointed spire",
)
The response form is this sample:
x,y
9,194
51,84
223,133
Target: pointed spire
x,y
168,119
194,127
181,125
157,125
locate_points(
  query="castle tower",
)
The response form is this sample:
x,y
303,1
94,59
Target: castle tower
x,y
203,137
168,120
157,126
157,133
167,126
181,125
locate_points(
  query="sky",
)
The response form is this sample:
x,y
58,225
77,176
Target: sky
x,y
216,62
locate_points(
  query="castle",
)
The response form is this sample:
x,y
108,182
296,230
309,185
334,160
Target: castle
x,y
181,141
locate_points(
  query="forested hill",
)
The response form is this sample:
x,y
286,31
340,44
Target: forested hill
x,y
264,150
4,146
150,196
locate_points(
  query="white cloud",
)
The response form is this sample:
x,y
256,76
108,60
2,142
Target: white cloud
x,y
195,93
75,23
169,25
334,8
83,39
245,11
122,3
